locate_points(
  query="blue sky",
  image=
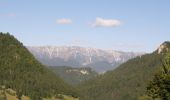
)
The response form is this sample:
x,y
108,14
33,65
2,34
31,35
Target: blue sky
x,y
126,25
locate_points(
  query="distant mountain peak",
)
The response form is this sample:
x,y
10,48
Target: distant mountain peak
x,y
75,56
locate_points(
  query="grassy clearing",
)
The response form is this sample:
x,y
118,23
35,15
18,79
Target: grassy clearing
x,y
9,94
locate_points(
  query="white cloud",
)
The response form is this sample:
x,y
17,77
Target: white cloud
x,y
100,22
64,21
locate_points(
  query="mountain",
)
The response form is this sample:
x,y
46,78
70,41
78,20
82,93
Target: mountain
x,y
99,60
128,81
21,72
74,76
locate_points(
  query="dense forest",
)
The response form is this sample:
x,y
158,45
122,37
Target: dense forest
x,y
159,87
74,76
20,71
128,81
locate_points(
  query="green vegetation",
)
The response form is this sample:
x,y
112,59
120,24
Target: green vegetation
x,y
74,76
21,72
23,77
159,87
9,94
127,82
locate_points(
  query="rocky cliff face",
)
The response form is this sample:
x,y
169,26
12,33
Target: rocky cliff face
x,y
164,47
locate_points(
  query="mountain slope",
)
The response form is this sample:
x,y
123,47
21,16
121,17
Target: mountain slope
x,y
128,81
74,76
81,57
20,71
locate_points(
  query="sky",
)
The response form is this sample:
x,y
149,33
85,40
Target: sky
x,y
126,25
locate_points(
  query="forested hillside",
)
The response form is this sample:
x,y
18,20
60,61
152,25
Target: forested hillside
x,y
74,76
20,71
159,87
128,81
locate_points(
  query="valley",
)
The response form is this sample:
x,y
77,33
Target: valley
x,y
84,50
74,56
74,76
23,77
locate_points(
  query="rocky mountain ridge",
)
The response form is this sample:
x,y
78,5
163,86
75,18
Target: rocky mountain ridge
x,y
100,60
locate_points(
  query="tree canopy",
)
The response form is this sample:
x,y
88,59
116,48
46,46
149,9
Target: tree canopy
x,y
20,71
159,87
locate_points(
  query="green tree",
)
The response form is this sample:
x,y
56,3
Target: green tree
x,y
159,87
21,72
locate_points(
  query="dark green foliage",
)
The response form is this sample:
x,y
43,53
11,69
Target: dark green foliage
x,y
20,71
159,87
74,76
127,82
